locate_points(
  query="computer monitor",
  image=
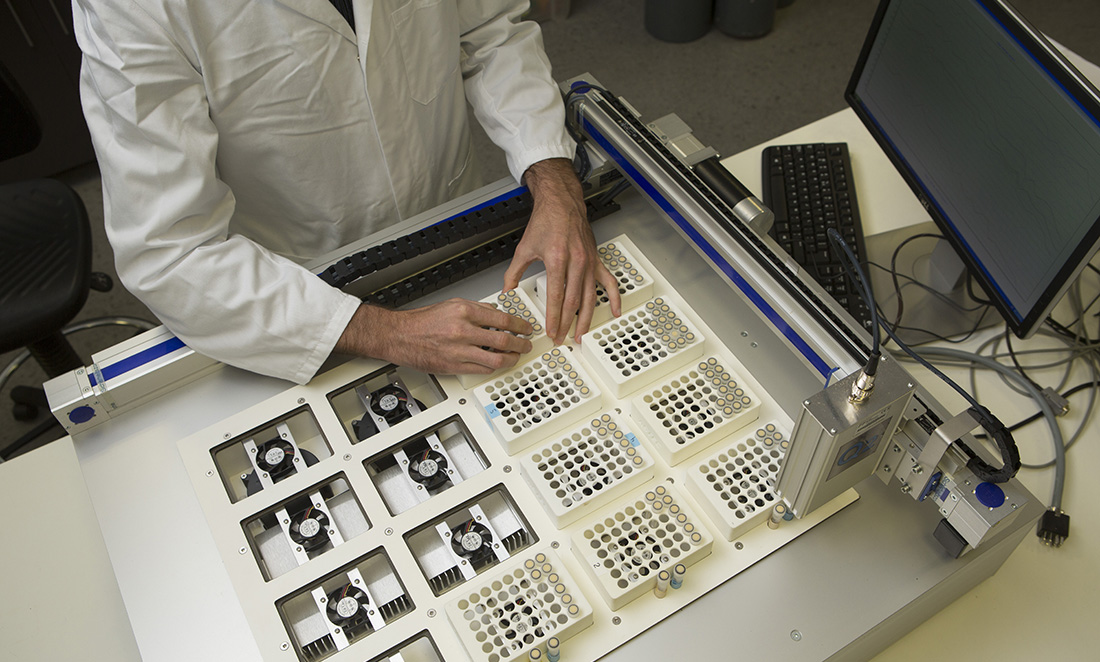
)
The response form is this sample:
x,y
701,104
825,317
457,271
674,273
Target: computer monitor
x,y
998,136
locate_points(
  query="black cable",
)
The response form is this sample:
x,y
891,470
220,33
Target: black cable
x,y
895,275
894,272
581,163
1016,360
855,272
1039,415
970,291
1010,453
612,193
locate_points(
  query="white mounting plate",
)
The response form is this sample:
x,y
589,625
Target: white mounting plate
x,y
609,629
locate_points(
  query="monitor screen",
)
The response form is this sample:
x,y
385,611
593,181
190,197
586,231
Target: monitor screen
x,y
997,135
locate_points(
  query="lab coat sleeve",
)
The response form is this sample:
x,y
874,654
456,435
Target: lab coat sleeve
x,y
168,214
509,84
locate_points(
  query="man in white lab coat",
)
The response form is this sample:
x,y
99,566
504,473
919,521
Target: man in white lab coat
x,y
238,139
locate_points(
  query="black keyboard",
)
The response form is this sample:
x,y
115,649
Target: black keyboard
x,y
809,187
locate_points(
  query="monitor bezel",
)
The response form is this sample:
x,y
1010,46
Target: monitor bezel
x,y
1025,323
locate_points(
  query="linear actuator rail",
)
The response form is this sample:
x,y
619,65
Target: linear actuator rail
x,y
719,231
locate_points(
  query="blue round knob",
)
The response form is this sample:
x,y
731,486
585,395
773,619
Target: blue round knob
x,y
990,495
81,414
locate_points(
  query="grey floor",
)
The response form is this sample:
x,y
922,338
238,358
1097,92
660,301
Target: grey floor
x,y
733,93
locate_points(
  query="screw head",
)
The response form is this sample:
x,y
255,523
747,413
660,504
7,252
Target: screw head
x,y
431,613
301,401
616,620
347,457
753,344
796,635
389,532
507,468
242,550
739,545
462,401
226,435
555,544
209,473
284,646
744,334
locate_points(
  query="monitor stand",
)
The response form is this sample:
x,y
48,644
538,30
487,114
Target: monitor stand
x,y
945,312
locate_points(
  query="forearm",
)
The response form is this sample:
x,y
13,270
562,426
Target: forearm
x,y
554,177
364,334
452,337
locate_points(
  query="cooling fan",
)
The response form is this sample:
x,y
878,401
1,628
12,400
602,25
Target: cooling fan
x,y
347,606
275,457
428,469
471,540
309,528
390,403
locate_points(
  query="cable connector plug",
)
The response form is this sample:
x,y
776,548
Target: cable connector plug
x,y
865,383
1053,528
1059,404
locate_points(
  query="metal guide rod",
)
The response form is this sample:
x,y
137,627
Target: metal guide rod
x,y
823,342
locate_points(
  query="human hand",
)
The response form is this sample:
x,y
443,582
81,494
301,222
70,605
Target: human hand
x,y
558,234
452,337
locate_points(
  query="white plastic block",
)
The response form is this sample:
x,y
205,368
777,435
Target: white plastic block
x,y
635,285
735,486
539,398
518,303
509,613
694,409
587,468
644,344
624,550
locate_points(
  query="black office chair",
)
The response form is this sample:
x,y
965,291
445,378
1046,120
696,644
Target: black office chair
x,y
45,276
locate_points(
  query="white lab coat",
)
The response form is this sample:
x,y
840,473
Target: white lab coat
x,y
240,138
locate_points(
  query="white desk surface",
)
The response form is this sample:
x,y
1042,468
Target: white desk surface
x,y
1043,600
58,595
1038,603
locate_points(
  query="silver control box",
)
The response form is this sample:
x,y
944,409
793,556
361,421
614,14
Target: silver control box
x,y
836,443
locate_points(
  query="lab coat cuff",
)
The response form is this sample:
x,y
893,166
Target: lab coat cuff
x,y
519,163
339,321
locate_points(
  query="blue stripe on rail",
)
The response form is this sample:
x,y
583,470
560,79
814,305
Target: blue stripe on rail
x,y
136,361
726,268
